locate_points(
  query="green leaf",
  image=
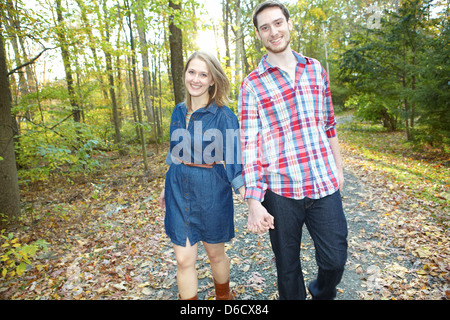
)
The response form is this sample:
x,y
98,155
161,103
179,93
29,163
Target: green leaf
x,y
29,250
20,269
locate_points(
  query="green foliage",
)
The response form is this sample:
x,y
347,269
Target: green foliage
x,y
45,152
433,96
399,74
375,67
15,256
339,96
421,169
374,108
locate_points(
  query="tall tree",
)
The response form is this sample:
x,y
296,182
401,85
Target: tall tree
x,y
176,50
13,29
92,43
112,92
9,189
135,85
63,44
433,96
12,24
383,65
408,27
226,27
141,22
239,54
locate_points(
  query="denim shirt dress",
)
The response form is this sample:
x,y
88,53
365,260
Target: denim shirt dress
x,y
199,201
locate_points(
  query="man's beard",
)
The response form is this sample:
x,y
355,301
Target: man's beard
x,y
279,50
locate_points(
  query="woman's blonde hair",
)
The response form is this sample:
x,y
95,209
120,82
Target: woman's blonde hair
x,y
220,90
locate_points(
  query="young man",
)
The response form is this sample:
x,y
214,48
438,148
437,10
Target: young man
x,y
291,161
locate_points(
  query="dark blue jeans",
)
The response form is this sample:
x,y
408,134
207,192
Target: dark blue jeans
x,y
327,226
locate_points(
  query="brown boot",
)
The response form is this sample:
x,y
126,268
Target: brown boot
x,y
193,298
223,291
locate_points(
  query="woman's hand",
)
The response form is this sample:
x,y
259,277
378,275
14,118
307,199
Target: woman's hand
x,y
259,220
241,191
162,200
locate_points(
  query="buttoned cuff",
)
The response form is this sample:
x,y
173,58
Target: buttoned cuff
x,y
331,132
254,193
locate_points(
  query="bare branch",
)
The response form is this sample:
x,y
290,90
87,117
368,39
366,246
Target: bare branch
x,y
29,62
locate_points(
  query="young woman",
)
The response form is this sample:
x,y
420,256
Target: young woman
x,y
198,191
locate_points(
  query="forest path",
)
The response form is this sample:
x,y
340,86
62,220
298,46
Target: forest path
x,y
253,272
106,239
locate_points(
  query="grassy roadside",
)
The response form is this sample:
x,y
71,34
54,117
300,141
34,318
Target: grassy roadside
x,y
409,191
425,173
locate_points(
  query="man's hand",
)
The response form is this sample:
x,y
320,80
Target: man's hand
x,y
259,220
334,144
341,179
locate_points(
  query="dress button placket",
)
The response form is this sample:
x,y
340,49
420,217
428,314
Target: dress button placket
x,y
186,197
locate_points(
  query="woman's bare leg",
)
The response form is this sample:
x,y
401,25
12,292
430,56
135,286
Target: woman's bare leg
x,y
186,273
220,263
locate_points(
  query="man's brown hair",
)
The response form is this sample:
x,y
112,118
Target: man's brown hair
x,y
269,4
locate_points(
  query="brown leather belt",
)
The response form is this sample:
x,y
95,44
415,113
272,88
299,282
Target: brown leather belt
x,y
199,165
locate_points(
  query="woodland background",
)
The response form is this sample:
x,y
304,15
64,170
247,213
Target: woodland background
x,y
88,85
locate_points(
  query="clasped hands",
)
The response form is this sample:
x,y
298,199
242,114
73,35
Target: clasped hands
x,y
259,220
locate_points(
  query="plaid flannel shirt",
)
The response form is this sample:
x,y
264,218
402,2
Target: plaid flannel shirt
x,y
285,126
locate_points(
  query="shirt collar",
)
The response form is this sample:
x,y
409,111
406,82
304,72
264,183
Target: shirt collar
x,y
264,65
212,108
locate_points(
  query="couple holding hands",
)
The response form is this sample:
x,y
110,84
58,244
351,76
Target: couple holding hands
x,y
287,166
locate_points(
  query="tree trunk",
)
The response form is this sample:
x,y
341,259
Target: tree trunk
x,y
176,54
326,49
140,18
156,125
91,43
12,28
240,64
136,91
66,60
160,133
132,100
226,28
413,76
112,92
9,188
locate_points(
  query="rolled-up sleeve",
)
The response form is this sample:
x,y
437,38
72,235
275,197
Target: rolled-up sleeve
x,y
330,120
232,151
251,144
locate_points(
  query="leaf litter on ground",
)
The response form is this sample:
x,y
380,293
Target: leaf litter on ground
x,y
106,238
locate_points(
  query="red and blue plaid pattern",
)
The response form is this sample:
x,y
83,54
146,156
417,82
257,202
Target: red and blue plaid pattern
x,y
285,126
